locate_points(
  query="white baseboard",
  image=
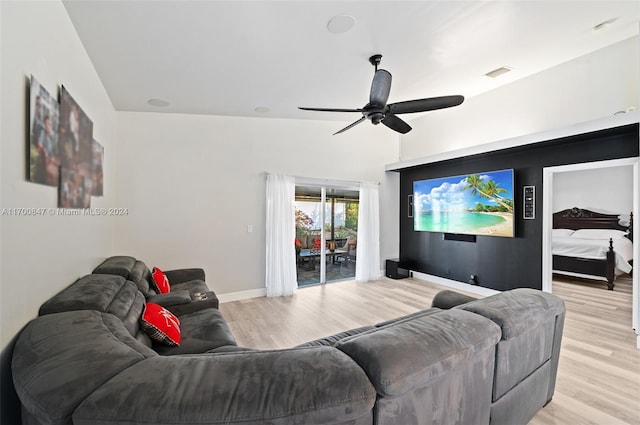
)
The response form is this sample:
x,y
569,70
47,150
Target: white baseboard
x,y
242,295
262,292
455,284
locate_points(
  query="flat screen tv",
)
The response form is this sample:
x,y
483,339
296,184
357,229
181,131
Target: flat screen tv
x,y
472,204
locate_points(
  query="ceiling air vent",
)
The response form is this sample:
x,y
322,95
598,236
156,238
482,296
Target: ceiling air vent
x,y
498,72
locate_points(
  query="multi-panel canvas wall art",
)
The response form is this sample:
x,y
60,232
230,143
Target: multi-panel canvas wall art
x,y
61,148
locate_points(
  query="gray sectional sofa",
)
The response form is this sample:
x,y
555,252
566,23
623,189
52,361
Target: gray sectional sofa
x,y
85,360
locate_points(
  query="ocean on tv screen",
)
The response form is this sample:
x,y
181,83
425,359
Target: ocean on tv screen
x,y
464,222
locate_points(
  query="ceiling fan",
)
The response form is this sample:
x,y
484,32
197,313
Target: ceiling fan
x,y
377,110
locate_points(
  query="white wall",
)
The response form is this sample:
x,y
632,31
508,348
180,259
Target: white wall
x,y
608,190
193,184
586,88
41,255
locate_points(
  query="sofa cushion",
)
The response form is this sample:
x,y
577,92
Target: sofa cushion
x,y
172,298
201,295
119,265
181,302
129,268
318,385
193,286
101,292
201,331
185,275
141,276
61,358
161,325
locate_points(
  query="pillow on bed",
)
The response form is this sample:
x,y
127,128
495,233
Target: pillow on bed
x,y
557,233
598,234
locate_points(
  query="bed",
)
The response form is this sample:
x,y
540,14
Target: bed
x,y
591,245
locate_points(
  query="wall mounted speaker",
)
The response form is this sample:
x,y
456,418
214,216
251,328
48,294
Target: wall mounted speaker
x,y
529,205
410,210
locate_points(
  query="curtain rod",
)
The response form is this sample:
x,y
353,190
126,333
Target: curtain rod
x,y
320,182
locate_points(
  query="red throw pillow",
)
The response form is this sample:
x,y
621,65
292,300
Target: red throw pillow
x,y
161,281
160,324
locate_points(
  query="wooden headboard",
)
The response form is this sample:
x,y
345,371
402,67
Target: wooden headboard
x,y
578,218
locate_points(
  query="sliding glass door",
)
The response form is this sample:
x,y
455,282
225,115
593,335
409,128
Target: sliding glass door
x,y
326,233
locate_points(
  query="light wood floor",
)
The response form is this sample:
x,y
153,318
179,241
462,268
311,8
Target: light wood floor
x,y
599,371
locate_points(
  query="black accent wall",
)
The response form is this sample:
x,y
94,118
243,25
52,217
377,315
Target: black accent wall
x,y
498,262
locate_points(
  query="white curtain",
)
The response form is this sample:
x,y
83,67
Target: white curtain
x,y
368,248
281,234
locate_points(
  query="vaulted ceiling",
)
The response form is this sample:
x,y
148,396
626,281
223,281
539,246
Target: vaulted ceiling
x,y
266,58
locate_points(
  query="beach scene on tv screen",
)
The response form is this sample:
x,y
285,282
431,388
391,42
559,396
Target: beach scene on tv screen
x,y
476,204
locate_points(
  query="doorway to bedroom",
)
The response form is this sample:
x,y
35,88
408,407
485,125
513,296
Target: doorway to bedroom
x,y
609,187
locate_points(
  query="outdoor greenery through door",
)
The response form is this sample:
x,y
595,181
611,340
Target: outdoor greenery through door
x,y
339,220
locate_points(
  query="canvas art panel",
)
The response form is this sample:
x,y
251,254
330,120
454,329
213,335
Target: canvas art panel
x,y
96,166
75,136
75,189
44,159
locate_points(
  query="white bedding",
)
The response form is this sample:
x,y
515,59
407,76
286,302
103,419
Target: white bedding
x,y
594,244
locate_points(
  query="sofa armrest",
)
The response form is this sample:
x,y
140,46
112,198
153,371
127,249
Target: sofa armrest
x,y
518,310
295,386
430,369
403,357
61,358
184,275
171,298
447,299
532,323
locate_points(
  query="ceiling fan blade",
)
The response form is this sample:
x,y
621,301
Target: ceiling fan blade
x,y
353,124
380,88
329,109
422,105
396,124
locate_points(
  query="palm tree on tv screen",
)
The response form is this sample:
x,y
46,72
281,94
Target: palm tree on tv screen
x,y
489,189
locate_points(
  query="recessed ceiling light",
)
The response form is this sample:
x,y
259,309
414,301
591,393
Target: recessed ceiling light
x,y
340,24
158,102
262,109
498,72
603,26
